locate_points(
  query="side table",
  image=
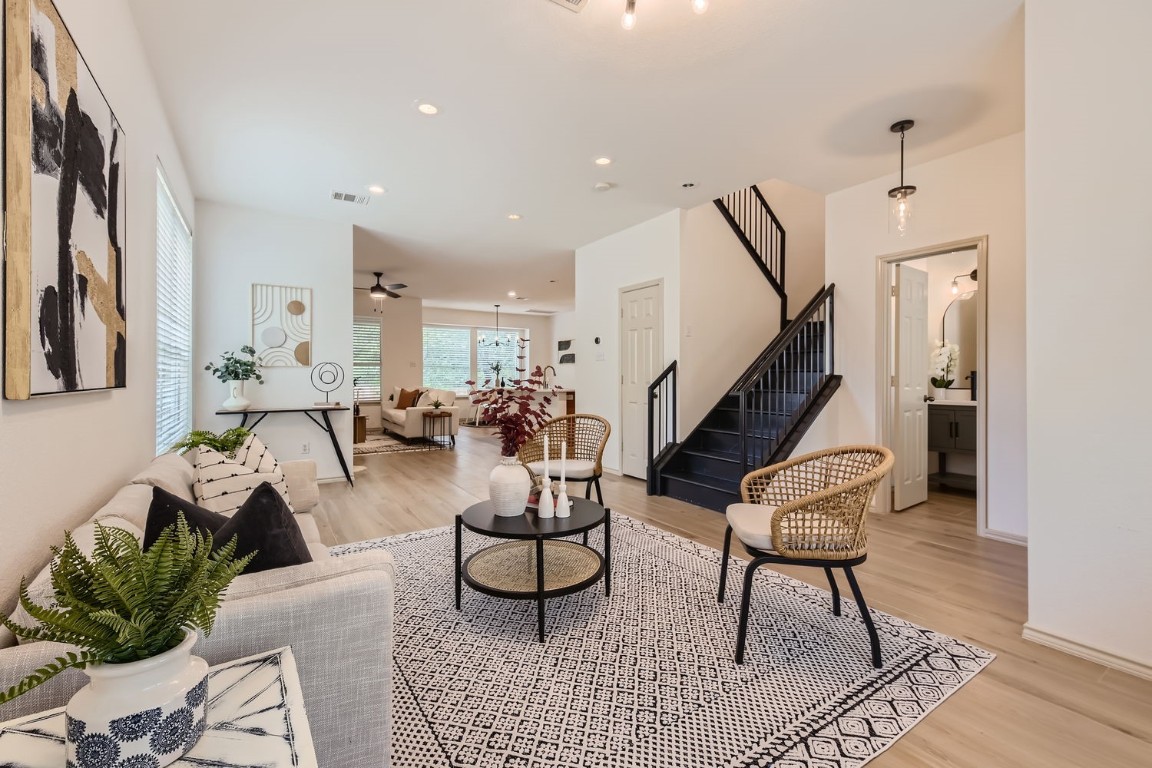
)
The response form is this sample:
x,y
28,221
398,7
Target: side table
x,y
255,717
437,429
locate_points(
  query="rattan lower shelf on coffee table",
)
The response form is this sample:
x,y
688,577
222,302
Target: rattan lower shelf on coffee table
x,y
535,564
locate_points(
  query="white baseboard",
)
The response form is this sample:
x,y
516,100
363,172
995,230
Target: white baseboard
x,y
1010,538
1137,668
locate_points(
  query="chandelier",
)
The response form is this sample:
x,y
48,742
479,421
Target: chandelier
x,y
496,341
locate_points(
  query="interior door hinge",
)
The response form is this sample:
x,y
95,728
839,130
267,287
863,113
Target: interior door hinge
x,y
893,381
892,289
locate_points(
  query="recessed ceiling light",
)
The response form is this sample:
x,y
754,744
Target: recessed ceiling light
x,y
521,298
511,294
603,161
688,184
514,217
376,189
427,109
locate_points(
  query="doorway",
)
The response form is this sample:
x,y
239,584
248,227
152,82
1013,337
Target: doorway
x,y
931,406
641,360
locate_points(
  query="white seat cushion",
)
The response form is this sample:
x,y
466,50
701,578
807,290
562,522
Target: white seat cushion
x,y
752,524
574,469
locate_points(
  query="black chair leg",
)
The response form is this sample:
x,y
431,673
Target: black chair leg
x,y
599,495
867,616
742,633
835,591
588,490
724,564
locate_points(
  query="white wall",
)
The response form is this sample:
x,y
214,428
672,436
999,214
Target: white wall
x,y
565,325
801,213
236,247
976,192
401,344
1089,242
645,252
728,313
99,439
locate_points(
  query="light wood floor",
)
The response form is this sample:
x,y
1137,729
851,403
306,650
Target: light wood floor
x,y
1032,707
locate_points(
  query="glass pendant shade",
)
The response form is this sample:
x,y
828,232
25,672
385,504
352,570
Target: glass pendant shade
x,y
699,6
629,20
900,209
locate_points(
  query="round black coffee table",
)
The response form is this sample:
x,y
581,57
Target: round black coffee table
x,y
535,563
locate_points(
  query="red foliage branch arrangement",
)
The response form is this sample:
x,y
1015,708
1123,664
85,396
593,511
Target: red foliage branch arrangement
x,y
515,409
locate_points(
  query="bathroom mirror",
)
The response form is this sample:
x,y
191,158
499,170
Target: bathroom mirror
x,y
959,327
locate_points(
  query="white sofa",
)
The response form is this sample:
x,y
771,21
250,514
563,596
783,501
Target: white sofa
x,y
335,613
409,422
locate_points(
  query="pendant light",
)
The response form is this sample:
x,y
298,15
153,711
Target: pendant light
x,y
629,19
482,339
900,208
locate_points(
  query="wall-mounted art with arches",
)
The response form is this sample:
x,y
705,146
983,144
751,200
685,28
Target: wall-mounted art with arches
x,y
282,325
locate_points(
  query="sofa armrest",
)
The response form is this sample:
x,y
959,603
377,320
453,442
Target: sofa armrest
x,y
336,614
302,487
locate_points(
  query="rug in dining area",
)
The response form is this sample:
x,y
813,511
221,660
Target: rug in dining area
x,y
646,678
379,443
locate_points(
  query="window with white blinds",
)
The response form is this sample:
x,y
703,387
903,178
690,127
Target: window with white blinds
x,y
453,356
447,357
366,358
173,321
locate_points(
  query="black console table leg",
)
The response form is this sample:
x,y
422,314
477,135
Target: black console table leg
x,y
336,447
540,585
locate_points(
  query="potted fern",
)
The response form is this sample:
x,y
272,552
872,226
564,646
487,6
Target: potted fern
x,y
227,442
133,616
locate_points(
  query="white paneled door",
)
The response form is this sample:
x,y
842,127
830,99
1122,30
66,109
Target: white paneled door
x,y
641,359
910,475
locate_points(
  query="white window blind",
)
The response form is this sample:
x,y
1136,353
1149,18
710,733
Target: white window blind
x,y
447,357
173,321
366,358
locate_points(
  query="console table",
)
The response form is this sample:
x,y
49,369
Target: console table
x,y
255,716
323,410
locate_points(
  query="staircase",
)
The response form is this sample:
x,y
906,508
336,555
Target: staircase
x,y
763,416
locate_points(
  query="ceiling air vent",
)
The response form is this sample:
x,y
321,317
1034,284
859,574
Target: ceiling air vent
x,y
573,5
540,311
348,197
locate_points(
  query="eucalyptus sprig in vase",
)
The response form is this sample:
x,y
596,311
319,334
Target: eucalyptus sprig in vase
x,y
234,370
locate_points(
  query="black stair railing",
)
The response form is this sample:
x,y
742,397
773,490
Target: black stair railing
x,y
661,423
758,229
777,390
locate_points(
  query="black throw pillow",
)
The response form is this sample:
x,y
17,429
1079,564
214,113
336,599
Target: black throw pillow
x,y
264,524
164,508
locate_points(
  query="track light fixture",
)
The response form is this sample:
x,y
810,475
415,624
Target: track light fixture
x,y
900,211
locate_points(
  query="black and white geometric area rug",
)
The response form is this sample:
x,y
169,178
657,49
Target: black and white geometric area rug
x,y
646,677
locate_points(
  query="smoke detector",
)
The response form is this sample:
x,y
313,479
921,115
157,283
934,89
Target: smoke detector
x,y
573,5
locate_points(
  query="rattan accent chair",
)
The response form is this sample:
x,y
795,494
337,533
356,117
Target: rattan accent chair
x,y
586,436
810,510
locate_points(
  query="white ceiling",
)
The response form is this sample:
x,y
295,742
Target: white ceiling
x,y
275,103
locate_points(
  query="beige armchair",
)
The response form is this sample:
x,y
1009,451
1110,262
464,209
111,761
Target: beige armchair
x,y
810,510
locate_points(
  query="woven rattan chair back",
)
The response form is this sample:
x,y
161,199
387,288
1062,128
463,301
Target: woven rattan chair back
x,y
585,434
821,500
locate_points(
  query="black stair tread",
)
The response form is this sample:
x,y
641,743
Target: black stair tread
x,y
705,481
727,456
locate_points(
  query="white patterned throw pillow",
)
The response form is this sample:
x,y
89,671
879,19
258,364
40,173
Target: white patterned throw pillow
x,y
223,484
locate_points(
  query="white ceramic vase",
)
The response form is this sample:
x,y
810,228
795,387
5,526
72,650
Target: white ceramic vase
x,y
236,400
508,487
148,712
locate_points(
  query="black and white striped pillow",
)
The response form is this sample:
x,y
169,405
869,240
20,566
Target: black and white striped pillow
x,y
222,484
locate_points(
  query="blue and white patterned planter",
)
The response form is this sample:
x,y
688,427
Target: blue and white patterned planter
x,y
143,714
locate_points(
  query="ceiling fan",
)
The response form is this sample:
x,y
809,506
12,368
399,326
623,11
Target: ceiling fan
x,y
381,292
